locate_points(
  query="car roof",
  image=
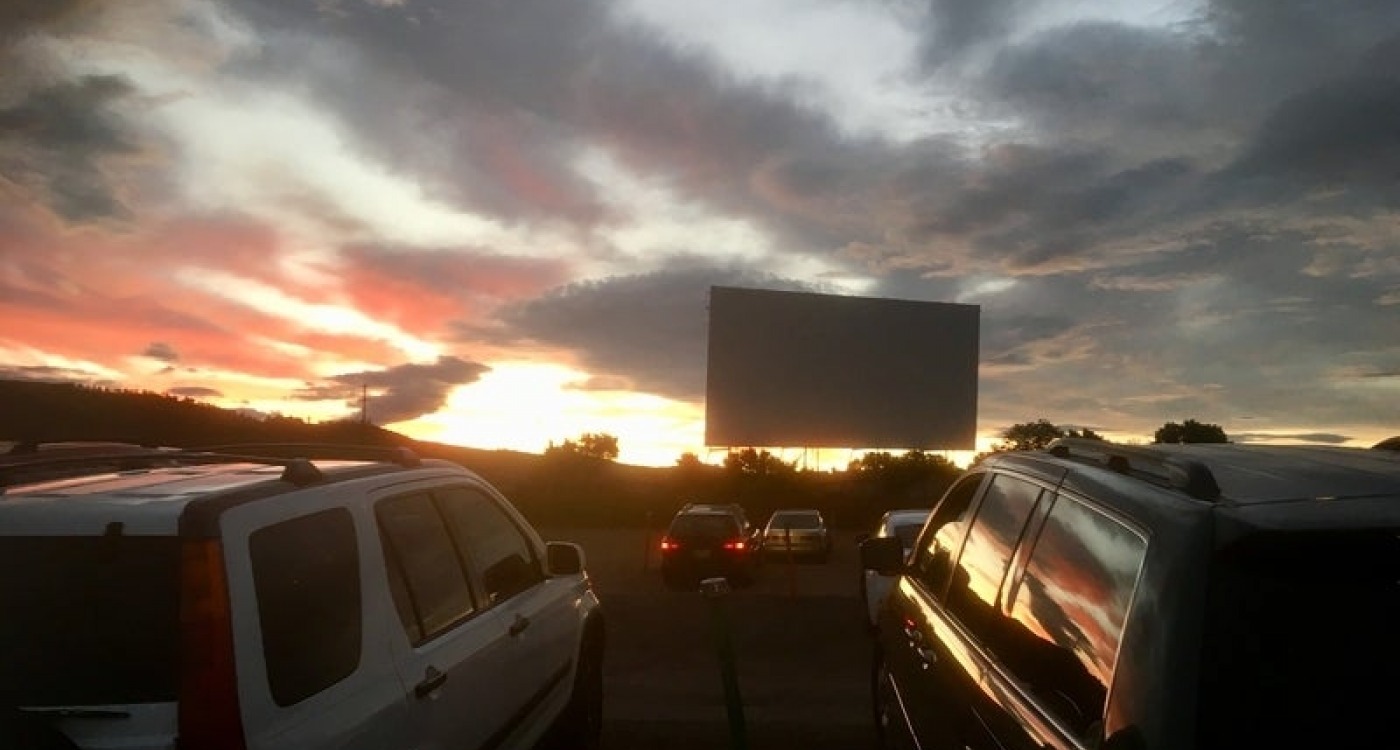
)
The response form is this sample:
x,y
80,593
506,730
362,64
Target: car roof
x,y
907,515
150,492
1259,486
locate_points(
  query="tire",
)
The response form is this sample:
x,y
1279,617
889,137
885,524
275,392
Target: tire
x,y
580,726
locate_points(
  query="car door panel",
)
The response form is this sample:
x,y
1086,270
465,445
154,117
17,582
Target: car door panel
x,y
452,657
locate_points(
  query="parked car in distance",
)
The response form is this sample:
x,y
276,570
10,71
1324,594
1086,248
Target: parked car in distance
x,y
749,531
240,599
904,525
1096,595
797,532
704,541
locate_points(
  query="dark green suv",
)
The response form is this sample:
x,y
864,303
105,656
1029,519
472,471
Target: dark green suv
x,y
1167,596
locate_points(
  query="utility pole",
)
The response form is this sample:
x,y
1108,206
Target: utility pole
x,y
364,404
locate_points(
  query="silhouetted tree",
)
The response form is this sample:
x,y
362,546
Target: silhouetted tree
x,y
597,445
1028,436
758,463
1190,431
689,462
1085,433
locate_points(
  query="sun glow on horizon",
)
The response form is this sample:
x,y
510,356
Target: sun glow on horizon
x,y
525,406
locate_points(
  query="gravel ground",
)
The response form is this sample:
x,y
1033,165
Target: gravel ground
x,y
801,652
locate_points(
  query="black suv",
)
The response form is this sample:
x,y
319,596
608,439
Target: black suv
x,y
709,539
1166,596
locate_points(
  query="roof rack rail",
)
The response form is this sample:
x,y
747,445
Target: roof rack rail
x,y
1186,474
326,451
35,467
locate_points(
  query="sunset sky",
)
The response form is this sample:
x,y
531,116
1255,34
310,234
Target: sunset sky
x,y
503,217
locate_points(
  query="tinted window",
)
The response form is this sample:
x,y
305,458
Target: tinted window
x,y
89,620
1070,608
933,562
434,593
1002,514
306,572
707,525
1301,646
497,550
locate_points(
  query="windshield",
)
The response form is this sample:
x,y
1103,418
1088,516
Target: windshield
x,y
1303,627
88,620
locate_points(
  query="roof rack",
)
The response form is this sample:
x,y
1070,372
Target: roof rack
x,y
325,451
297,469
1186,474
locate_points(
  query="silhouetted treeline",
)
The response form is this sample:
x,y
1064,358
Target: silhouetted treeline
x,y
557,489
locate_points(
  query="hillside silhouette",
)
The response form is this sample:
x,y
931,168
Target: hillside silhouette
x,y
554,489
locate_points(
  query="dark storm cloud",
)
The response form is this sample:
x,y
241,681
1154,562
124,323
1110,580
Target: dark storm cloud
x,y
194,391
502,98
649,330
21,17
1341,136
54,142
955,26
161,351
398,393
1096,80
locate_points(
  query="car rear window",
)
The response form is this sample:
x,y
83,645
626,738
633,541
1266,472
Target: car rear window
x,y
88,620
797,521
1300,631
710,525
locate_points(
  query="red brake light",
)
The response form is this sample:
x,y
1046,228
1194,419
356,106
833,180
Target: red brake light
x,y
209,715
667,545
736,545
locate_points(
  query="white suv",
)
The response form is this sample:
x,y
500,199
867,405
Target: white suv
x,y
210,601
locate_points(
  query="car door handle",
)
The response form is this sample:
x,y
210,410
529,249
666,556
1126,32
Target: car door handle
x,y
916,642
927,655
432,680
518,626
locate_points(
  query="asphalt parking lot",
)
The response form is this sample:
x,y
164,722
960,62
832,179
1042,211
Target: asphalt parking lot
x,y
802,655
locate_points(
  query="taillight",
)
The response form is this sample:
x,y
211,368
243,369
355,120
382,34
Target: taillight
x,y
668,544
208,705
738,544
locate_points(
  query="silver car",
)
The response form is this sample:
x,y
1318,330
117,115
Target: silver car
x,y
905,524
797,532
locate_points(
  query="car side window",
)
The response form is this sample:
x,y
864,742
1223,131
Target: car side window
x,y
1070,608
498,551
306,574
933,559
427,578
991,540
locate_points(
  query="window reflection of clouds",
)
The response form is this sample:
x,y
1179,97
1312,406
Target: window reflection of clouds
x,y
994,533
1079,583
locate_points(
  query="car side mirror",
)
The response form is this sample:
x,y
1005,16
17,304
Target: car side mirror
x,y
564,558
884,555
